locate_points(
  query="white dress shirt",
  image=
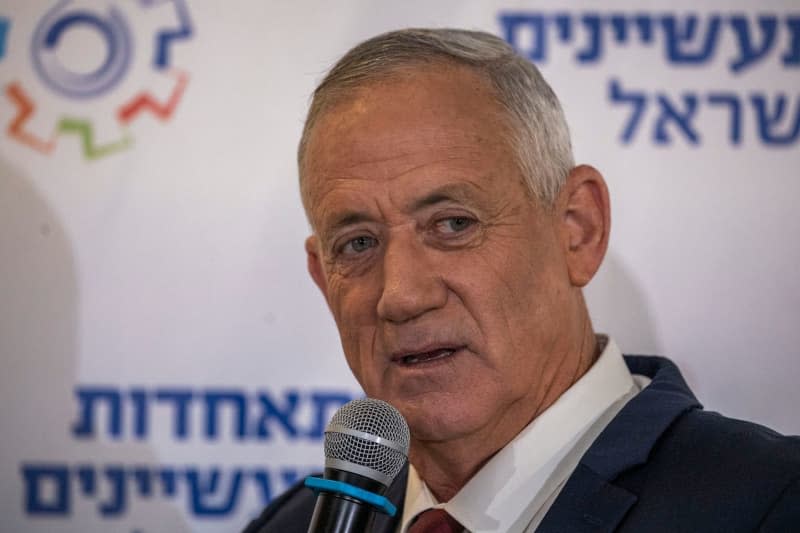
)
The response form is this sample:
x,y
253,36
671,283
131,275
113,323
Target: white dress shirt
x,y
514,490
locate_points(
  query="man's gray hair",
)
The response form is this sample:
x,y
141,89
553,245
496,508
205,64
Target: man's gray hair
x,y
538,129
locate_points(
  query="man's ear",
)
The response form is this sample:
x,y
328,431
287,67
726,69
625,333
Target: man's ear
x,y
585,212
315,265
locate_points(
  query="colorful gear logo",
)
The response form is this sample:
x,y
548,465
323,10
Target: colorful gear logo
x,y
66,81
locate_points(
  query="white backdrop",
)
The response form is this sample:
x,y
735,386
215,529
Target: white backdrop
x,y
167,363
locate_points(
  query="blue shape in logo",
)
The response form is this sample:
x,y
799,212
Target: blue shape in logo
x,y
4,24
165,37
115,33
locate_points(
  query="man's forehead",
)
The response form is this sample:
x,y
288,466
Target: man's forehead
x,y
421,131
403,163
456,89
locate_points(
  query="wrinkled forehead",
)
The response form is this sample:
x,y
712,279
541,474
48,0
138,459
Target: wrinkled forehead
x,y
450,108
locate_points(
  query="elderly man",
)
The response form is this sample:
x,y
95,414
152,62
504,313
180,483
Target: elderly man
x,y
452,235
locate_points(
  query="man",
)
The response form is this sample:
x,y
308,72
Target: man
x,y
452,234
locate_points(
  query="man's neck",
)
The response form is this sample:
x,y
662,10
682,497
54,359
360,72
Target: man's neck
x,y
446,466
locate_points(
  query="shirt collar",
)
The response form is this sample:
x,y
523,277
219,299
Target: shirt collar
x,y
503,489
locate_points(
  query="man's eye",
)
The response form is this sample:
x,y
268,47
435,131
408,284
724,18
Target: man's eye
x,y
454,224
359,244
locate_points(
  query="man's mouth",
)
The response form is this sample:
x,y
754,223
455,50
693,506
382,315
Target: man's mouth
x,y
426,356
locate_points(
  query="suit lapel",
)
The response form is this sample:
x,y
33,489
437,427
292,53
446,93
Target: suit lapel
x,y
587,503
590,501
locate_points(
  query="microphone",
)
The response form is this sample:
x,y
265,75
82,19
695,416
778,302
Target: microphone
x,y
366,446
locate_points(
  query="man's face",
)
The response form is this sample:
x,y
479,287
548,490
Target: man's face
x,y
446,279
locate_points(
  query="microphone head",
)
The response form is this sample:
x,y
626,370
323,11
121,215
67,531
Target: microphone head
x,y
367,437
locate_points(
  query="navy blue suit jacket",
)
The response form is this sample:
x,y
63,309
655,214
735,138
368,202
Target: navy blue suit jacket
x,y
661,465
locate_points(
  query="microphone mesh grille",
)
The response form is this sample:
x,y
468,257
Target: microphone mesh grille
x,y
378,419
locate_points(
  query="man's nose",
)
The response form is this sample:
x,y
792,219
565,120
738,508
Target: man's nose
x,y
412,285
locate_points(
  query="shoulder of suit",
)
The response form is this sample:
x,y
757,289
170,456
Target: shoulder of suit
x,y
708,435
719,473
288,513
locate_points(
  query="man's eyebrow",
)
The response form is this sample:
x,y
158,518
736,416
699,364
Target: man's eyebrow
x,y
455,192
344,219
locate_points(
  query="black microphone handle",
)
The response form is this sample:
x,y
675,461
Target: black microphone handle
x,y
337,513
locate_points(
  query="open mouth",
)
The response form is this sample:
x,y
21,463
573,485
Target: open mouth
x,y
426,357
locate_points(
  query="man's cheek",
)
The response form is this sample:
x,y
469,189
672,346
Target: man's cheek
x,y
339,299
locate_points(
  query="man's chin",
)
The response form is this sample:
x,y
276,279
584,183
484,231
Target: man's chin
x,y
439,421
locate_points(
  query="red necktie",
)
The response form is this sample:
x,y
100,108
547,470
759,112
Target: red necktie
x,y
435,521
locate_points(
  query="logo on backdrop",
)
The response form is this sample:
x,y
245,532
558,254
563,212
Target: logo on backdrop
x,y
688,42
65,39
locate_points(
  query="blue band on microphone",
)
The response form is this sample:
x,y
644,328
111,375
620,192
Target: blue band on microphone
x,y
329,485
